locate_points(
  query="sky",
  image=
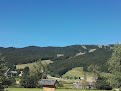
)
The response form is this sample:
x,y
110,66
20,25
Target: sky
x,y
59,22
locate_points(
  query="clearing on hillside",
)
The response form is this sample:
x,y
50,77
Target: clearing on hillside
x,y
92,50
75,72
81,53
78,72
30,65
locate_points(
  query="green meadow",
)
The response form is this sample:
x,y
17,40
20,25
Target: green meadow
x,y
37,89
30,65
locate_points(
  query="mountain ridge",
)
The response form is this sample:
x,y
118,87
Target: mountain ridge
x,y
92,54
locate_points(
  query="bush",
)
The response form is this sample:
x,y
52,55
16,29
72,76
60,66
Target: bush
x,y
29,82
60,85
102,84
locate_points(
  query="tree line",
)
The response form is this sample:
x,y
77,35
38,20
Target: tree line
x,y
14,56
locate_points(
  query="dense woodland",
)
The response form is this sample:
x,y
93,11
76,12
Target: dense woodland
x,y
60,65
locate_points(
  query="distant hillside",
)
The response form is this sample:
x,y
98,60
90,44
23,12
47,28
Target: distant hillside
x,y
64,58
33,53
99,57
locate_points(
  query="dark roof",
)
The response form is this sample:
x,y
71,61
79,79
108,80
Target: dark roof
x,y
48,82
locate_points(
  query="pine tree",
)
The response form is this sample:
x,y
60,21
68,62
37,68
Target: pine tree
x,y
115,67
2,71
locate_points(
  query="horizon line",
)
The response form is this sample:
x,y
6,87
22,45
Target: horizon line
x,y
55,46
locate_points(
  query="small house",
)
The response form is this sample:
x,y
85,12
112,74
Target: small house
x,y
48,84
21,73
9,73
91,79
13,73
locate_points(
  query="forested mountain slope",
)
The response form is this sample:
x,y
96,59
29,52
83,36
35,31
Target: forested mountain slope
x,y
99,57
33,53
73,56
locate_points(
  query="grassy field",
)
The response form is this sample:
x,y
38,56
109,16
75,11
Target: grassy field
x,y
37,89
81,53
30,65
77,72
92,50
74,72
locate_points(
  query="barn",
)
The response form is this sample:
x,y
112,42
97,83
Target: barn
x,y
48,84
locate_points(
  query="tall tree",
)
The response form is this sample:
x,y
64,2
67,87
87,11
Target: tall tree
x,y
26,71
102,83
38,70
28,81
4,81
95,69
2,71
115,66
31,81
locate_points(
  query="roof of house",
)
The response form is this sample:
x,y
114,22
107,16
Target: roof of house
x,y
48,82
82,81
13,71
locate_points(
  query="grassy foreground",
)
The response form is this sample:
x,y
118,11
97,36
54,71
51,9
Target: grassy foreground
x,y
37,89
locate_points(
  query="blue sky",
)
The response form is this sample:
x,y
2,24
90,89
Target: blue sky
x,y
59,22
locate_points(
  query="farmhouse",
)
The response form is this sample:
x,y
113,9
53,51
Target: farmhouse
x,y
48,84
9,73
91,79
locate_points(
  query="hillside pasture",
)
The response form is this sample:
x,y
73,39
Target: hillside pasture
x,y
78,72
81,53
30,65
92,50
75,72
